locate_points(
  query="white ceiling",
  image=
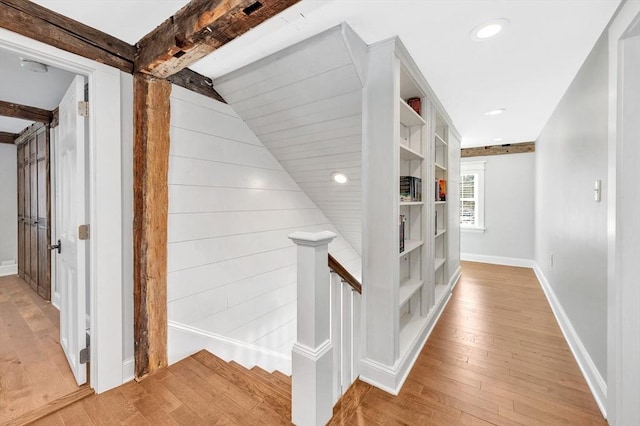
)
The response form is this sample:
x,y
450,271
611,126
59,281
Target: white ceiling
x,y
18,85
526,69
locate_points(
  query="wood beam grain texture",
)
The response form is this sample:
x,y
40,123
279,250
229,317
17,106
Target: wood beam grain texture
x,y
151,202
44,25
512,148
39,23
198,29
9,109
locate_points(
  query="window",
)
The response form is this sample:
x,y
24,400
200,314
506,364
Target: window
x,y
472,196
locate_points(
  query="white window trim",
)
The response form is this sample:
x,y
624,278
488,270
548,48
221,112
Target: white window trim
x,y
475,167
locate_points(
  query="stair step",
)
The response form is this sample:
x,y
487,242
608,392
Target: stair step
x,y
274,399
282,377
285,388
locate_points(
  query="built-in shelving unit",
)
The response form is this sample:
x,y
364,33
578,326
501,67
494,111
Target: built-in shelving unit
x,y
404,150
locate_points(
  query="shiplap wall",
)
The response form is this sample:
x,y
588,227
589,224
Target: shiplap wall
x,y
305,104
231,267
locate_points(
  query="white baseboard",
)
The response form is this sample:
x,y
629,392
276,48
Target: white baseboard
x,y
128,370
184,341
8,270
591,374
498,260
391,379
455,277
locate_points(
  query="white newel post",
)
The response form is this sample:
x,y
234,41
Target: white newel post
x,y
312,354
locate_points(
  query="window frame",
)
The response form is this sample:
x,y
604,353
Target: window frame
x,y
476,168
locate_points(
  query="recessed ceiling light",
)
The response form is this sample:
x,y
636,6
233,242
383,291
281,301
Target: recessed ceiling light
x,y
488,29
339,177
498,139
495,111
33,65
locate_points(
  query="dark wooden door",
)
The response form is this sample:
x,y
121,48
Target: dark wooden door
x,y
34,211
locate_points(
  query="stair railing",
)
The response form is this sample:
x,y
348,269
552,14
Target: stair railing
x,y
325,356
346,298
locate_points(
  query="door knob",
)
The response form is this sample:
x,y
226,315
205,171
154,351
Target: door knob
x,y
56,246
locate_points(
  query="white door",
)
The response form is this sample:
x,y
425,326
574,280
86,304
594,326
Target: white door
x,y
70,213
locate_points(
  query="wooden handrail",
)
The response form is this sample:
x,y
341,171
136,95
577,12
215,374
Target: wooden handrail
x,y
344,274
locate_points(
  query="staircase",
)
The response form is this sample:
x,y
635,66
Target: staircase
x,y
269,394
265,397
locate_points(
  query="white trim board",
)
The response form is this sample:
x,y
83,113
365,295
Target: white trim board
x,y
622,284
455,277
594,380
8,270
128,369
498,260
184,341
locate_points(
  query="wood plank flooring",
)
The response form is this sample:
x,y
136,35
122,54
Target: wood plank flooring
x,y
496,356
33,368
199,390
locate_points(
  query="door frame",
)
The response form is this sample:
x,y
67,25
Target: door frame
x,y
622,387
105,203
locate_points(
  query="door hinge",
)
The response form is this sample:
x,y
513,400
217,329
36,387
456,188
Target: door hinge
x,y
84,353
83,232
83,108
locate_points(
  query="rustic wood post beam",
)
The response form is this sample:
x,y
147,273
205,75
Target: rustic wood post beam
x,y
150,212
510,148
39,23
198,29
6,137
8,109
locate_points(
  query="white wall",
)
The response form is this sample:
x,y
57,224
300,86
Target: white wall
x,y
8,210
231,267
571,153
509,183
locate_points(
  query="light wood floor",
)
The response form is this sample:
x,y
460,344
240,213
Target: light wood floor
x,y
496,356
33,368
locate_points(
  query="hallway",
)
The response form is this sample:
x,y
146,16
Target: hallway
x,y
33,368
496,356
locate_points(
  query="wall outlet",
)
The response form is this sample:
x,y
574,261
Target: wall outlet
x,y
551,259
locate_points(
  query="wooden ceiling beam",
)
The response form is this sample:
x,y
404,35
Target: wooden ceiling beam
x,y
198,29
39,23
195,82
6,137
510,148
8,109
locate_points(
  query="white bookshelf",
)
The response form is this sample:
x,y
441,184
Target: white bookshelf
x,y
402,297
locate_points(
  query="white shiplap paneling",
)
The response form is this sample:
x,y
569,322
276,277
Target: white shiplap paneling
x,y
305,104
231,266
